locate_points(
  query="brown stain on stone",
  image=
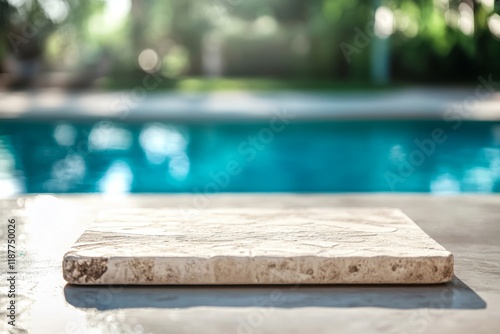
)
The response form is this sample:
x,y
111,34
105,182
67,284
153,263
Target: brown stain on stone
x,y
334,275
448,271
88,270
142,269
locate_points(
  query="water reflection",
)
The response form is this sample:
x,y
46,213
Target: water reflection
x,y
65,173
109,136
65,135
492,155
114,157
161,142
445,184
10,180
479,179
495,131
117,180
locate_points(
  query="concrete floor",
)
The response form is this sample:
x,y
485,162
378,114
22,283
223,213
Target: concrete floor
x,y
46,226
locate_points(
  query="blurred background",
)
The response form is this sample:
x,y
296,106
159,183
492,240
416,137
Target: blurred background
x,y
385,96
111,43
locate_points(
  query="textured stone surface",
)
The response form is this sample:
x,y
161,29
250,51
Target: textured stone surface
x,y
256,246
467,225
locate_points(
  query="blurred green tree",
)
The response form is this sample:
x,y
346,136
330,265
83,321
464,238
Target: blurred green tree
x,y
429,40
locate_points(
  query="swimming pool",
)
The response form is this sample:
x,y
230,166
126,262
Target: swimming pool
x,y
316,156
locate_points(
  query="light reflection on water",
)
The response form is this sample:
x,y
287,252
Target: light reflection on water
x,y
117,180
117,158
10,178
161,142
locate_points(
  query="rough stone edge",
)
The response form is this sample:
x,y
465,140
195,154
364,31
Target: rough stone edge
x,y
93,269
144,270
222,270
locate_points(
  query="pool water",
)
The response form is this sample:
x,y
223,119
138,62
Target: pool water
x,y
316,156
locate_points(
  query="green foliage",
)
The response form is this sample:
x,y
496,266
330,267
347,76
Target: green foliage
x,y
283,38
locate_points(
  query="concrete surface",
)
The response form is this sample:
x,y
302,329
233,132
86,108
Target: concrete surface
x,y
480,103
46,226
256,246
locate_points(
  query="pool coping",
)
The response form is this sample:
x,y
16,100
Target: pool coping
x,y
476,104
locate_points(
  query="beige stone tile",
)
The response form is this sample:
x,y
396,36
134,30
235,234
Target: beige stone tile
x,y
256,246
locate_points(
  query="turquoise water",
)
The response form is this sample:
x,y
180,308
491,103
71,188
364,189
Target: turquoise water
x,y
348,156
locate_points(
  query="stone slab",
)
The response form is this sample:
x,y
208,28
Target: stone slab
x,y
256,246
